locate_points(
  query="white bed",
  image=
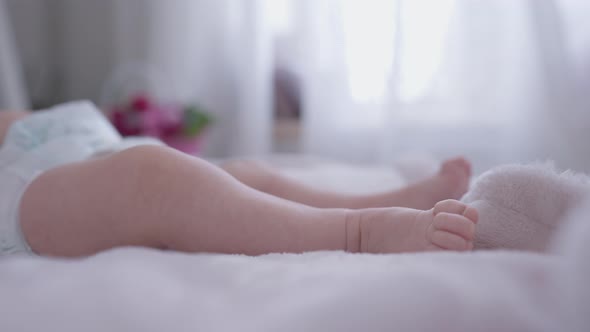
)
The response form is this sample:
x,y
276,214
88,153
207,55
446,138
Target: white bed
x,y
132,289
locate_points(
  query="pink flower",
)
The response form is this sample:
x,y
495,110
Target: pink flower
x,y
141,103
124,124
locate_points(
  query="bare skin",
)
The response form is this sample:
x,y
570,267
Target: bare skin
x,y
156,197
450,182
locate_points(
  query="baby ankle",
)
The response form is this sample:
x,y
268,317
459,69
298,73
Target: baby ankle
x,y
353,231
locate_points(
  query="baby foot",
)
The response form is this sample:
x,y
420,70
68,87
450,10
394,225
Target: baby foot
x,y
450,225
451,182
454,175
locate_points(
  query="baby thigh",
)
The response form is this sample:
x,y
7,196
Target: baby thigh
x,y
82,208
155,197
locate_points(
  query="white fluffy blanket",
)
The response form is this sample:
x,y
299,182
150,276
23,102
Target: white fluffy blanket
x,y
134,289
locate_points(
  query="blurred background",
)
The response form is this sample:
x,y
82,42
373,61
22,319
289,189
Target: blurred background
x,y
359,81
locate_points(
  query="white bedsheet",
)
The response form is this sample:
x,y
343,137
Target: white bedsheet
x,y
133,289
144,290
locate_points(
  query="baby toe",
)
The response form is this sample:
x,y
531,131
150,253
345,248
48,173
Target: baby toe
x,y
450,206
456,164
454,224
471,214
450,241
464,164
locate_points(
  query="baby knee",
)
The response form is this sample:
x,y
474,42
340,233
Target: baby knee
x,y
251,172
239,166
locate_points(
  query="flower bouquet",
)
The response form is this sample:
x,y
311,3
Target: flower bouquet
x,y
179,126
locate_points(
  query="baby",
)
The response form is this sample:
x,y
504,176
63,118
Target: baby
x,y
71,186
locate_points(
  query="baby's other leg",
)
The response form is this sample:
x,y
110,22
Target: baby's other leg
x,y
156,197
450,182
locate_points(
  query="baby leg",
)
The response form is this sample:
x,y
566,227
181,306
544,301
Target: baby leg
x,y
449,183
450,225
153,196
156,197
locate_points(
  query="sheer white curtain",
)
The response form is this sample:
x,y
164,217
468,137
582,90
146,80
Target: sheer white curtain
x,y
494,80
213,52
218,53
12,90
498,81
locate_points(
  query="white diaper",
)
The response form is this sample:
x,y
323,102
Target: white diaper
x,y
46,139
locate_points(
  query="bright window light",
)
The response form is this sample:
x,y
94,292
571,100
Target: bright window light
x,y
280,13
425,25
370,32
369,41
